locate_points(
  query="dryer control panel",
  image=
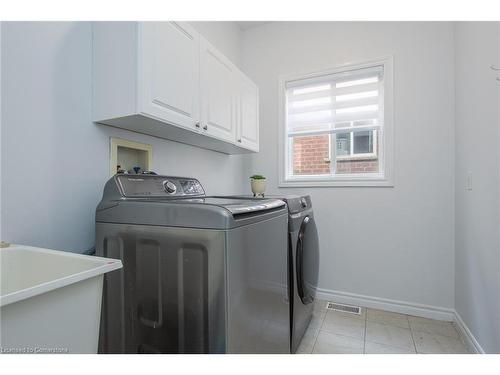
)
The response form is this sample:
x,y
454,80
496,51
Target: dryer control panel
x,y
136,186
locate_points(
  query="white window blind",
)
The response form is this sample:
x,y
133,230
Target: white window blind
x,y
335,103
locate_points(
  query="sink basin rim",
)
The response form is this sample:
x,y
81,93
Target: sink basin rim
x,y
106,265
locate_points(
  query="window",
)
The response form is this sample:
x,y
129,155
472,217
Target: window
x,y
337,127
363,145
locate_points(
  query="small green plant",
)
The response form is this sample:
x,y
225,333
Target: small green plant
x,y
257,177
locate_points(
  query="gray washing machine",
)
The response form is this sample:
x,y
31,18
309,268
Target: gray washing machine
x,y
303,263
200,274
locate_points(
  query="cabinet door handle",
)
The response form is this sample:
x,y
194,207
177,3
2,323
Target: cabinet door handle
x,y
205,127
197,125
239,140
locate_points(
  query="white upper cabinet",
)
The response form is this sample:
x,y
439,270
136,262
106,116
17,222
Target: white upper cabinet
x,y
218,93
165,80
169,72
248,113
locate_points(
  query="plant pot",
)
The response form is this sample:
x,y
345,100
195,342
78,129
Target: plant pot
x,y
258,187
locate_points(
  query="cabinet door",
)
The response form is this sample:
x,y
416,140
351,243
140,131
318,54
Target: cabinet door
x,y
248,114
169,72
218,93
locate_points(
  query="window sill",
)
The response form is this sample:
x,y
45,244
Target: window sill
x,y
337,182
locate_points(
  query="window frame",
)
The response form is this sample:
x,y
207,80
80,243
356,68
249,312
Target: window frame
x,y
385,136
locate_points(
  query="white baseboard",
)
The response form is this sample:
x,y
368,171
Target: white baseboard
x,y
467,335
425,311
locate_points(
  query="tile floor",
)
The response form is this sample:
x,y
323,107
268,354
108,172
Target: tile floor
x,y
378,332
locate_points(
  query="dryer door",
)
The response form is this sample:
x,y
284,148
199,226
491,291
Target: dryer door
x,y
307,260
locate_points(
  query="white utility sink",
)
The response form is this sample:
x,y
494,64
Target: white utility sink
x,y
50,301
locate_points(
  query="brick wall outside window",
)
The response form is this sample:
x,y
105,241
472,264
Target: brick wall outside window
x,y
311,153
357,166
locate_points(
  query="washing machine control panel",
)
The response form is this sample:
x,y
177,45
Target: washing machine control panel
x,y
191,187
136,186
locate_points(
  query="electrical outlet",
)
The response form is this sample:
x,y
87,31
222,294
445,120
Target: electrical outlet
x,y
468,183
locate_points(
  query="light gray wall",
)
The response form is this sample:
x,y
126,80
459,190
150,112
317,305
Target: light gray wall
x,y
477,231
394,243
1,238
55,161
226,36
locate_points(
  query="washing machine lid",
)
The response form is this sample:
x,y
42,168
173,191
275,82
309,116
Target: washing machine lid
x,y
177,201
238,206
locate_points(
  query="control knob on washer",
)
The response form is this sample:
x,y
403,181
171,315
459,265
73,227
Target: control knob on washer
x,y
303,202
169,187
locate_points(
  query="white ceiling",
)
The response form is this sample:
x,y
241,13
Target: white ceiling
x,y
245,25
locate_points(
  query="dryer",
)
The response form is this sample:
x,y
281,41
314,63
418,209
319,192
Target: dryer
x,y
304,265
